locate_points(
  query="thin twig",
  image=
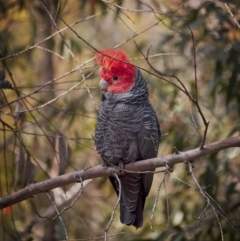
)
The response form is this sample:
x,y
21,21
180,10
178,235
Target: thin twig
x,y
193,120
133,10
48,83
231,14
97,238
60,218
157,198
167,202
219,223
194,65
155,55
115,207
181,88
159,74
44,135
70,51
206,123
123,20
206,197
50,36
52,100
223,213
52,52
75,199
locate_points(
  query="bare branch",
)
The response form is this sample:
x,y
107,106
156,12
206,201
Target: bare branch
x,y
97,238
151,10
206,196
70,51
206,123
52,52
115,207
194,65
49,37
55,207
75,199
100,171
181,88
159,74
231,14
157,198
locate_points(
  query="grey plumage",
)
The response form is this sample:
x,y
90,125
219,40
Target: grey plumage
x,y
127,130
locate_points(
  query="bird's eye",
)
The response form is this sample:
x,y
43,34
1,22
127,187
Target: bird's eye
x,y
115,78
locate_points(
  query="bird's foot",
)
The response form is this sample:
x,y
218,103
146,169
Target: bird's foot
x,y
121,166
104,165
168,168
78,178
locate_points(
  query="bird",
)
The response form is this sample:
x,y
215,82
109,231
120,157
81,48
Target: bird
x,y
127,130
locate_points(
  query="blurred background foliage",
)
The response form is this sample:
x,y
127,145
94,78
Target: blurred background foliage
x,y
55,83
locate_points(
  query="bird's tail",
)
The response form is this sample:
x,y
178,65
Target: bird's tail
x,y
134,218
132,198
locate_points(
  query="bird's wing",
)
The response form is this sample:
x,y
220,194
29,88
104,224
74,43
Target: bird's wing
x,y
148,141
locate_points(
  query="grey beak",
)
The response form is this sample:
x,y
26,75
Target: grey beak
x,y
103,85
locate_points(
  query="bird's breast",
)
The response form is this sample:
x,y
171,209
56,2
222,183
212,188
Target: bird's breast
x,y
116,132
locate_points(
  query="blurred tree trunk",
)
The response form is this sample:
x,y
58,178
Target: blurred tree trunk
x,y
46,71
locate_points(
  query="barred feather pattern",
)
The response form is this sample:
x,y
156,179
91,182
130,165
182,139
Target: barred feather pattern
x,y
127,130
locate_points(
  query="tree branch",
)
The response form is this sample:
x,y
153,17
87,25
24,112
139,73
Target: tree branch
x,y
99,171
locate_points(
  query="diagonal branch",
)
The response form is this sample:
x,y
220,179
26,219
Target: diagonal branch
x,y
99,171
182,86
115,207
205,122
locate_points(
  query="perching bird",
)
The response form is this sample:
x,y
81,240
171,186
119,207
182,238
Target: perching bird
x,y
127,130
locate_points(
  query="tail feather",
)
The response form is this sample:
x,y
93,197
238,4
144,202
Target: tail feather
x,y
133,196
134,218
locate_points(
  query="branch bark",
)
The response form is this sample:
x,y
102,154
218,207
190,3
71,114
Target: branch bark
x,y
99,171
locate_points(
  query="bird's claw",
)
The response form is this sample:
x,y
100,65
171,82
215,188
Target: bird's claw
x,y
121,166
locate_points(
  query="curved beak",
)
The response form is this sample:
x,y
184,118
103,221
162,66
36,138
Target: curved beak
x,y
103,85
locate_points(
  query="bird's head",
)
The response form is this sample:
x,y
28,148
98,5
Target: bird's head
x,y
117,76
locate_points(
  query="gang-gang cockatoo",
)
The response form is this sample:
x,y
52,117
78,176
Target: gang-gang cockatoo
x,y
127,130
